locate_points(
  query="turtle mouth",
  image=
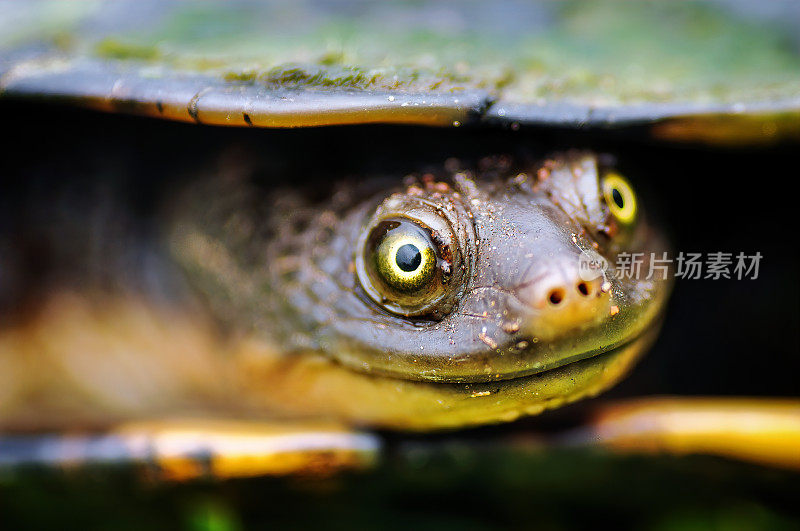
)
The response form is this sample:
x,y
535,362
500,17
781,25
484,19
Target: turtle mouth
x,y
524,356
531,394
607,351
553,360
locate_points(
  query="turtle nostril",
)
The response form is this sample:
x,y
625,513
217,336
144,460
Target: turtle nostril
x,y
556,296
583,289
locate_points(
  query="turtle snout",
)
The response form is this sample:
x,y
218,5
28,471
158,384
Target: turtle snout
x,y
561,300
572,292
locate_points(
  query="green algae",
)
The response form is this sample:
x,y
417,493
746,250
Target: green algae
x,y
608,53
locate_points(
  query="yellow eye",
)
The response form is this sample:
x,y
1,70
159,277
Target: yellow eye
x,y
620,198
402,269
405,259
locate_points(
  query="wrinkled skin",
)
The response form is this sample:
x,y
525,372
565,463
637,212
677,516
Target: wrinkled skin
x,y
283,272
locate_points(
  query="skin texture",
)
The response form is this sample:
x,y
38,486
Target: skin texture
x,y
517,329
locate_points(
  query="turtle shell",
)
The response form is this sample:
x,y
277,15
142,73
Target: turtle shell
x,y
721,71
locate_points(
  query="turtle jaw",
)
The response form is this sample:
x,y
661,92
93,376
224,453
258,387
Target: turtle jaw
x,y
314,386
495,402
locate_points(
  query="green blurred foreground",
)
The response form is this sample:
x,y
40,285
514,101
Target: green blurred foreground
x,y
423,486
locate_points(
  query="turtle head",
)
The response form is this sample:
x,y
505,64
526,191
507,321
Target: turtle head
x,y
460,296
501,273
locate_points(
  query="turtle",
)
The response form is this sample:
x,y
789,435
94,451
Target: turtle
x,y
267,313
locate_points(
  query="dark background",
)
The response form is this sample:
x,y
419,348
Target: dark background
x,y
723,337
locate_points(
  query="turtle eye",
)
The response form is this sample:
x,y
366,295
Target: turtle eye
x,y
404,259
620,198
403,270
